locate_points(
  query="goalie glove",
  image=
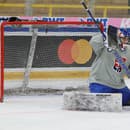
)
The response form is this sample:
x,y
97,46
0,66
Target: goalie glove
x,y
112,36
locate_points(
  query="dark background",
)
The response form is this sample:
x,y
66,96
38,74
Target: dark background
x,y
17,49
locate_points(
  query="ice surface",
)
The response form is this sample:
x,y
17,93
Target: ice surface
x,y
47,113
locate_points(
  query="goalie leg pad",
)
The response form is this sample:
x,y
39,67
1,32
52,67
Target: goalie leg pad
x,y
92,101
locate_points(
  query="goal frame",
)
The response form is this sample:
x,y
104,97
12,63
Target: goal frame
x,y
3,24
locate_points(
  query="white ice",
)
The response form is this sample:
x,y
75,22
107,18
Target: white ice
x,y
47,113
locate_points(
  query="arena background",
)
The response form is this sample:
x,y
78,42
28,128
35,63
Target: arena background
x,y
49,63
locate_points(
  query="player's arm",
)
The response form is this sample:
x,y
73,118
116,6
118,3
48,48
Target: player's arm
x,y
97,43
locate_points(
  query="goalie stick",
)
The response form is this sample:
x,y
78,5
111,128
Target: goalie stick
x,y
115,53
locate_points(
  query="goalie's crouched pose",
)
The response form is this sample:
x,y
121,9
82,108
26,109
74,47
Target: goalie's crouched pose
x,y
107,76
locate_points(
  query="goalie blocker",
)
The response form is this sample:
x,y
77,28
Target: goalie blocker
x,y
93,101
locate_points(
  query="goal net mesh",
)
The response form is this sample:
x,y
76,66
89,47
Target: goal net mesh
x,y
43,57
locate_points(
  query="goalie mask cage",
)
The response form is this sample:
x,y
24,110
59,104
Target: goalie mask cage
x,y
37,50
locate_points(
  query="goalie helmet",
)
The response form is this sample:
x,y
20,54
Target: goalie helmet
x,y
126,35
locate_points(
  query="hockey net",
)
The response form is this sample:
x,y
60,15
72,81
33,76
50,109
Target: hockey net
x,y
42,57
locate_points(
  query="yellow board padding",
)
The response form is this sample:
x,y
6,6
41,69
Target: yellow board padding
x,y
47,75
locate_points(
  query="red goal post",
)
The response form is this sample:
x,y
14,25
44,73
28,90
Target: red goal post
x,y
20,23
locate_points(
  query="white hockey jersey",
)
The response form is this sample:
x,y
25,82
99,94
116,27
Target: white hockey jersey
x,y
106,69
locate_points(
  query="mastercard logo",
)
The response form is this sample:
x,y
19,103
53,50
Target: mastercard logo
x,y
71,51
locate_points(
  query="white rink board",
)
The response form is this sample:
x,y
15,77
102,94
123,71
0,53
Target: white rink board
x,y
54,83
60,83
